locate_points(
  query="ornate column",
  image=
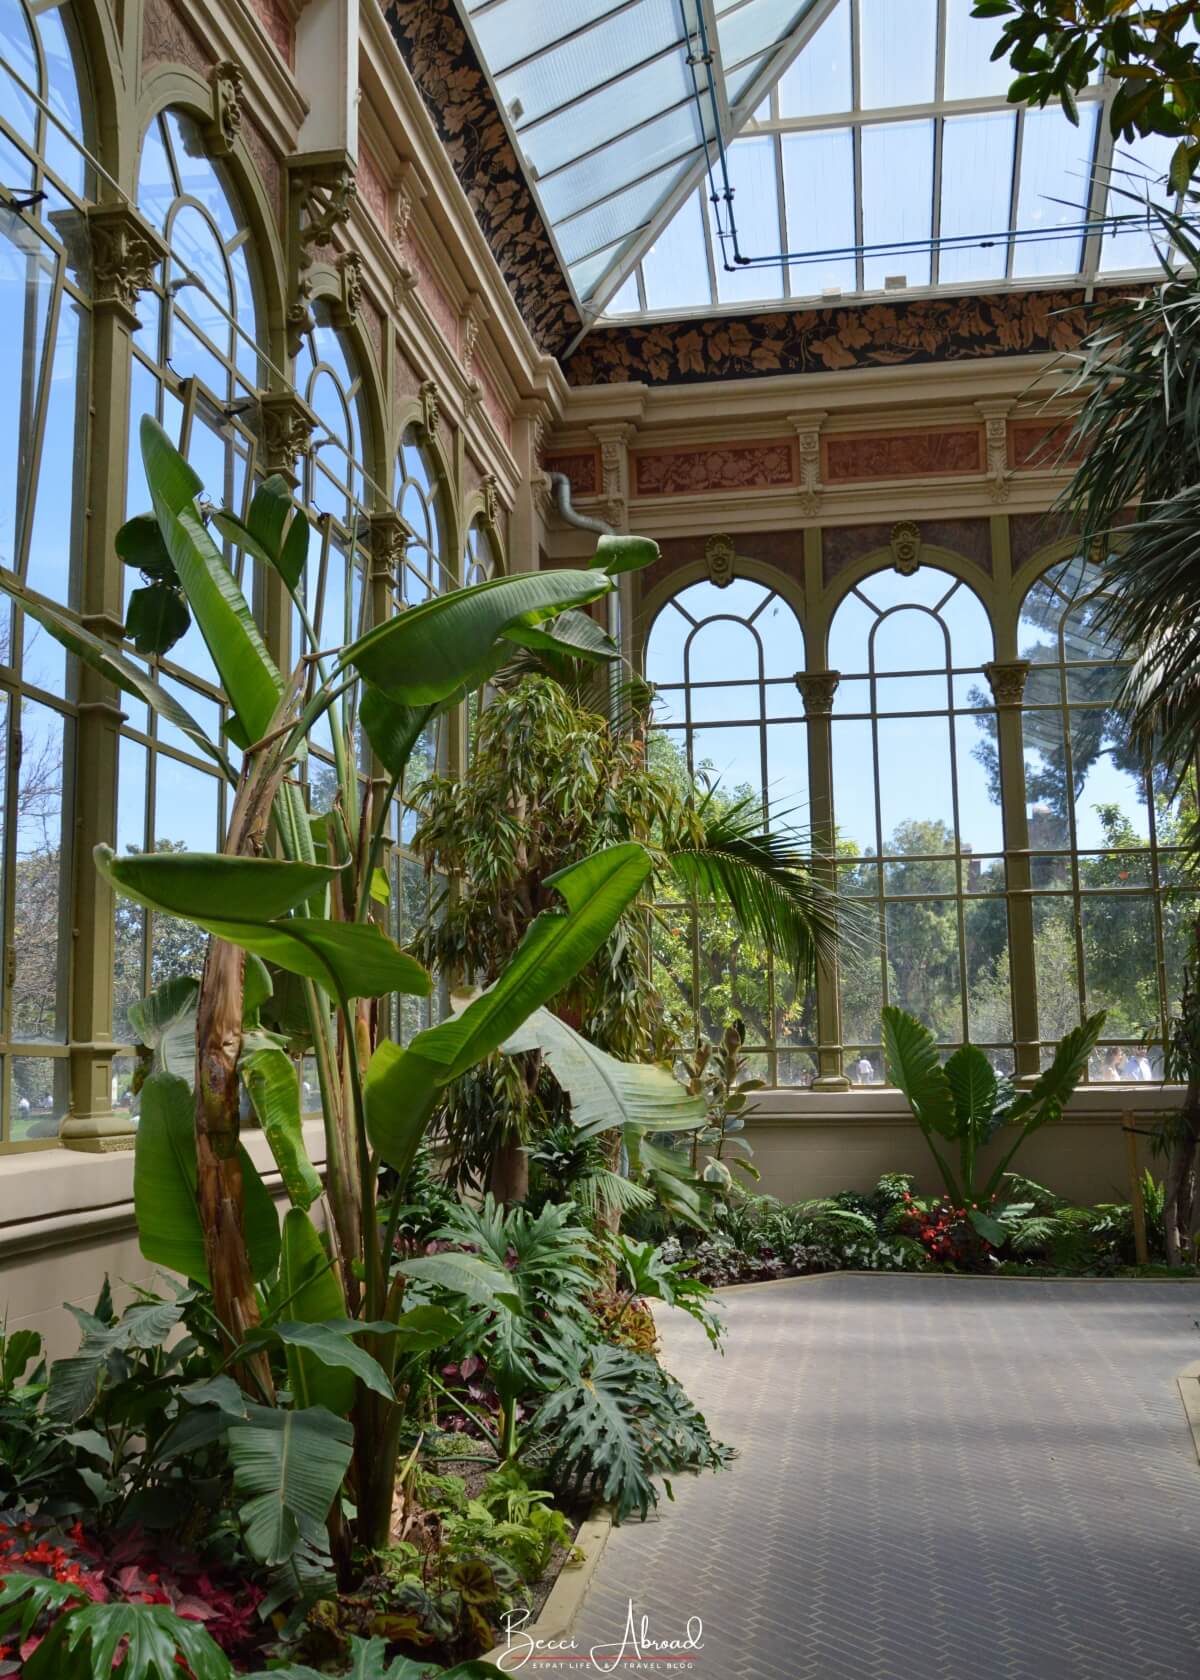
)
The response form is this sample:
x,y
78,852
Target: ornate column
x,y
125,253
1007,680
817,689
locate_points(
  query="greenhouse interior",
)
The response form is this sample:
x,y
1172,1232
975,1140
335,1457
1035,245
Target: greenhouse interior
x,y
600,847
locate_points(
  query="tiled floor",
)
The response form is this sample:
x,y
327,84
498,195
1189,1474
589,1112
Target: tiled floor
x,y
939,1479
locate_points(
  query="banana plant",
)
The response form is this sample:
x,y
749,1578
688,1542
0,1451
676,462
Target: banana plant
x,y
291,905
964,1101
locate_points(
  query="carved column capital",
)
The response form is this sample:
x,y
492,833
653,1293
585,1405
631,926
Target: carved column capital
x,y
287,428
389,545
125,252
808,437
905,544
1007,680
223,128
817,689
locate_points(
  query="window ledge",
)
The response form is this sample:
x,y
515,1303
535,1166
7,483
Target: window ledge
x,y
47,1185
865,1104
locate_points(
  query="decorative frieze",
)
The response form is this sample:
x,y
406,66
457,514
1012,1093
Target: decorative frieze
x,y
288,424
704,468
580,467
1007,680
720,558
853,457
905,544
126,250
817,689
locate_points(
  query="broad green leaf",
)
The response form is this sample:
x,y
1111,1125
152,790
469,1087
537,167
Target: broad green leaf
x,y
972,1081
605,1092
140,544
270,1078
25,1597
616,553
164,1187
156,618
128,676
75,1382
291,1464
421,1329
247,671
243,900
1047,1098
402,1093
473,1276
572,632
310,1291
991,1230
333,1345
149,1641
392,728
267,536
369,1661
914,1068
430,651
165,1022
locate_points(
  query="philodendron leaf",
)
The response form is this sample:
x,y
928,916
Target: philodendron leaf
x,y
402,1085
429,652
164,1187
245,901
133,1641
291,1465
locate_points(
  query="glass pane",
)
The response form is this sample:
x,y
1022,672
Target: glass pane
x,y
1139,172
818,79
897,200
969,42
1120,963
1046,794
1110,792
914,777
130,918
923,964
732,757
723,648
1056,162
41,918
854,784
980,826
39,1097
818,184
1056,968
977,159
185,808
897,51
57,511
911,694
734,979
923,875
671,946
752,176
724,702
787,775
989,995
675,268
782,640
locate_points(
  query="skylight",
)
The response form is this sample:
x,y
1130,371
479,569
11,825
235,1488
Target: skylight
x,y
610,105
886,158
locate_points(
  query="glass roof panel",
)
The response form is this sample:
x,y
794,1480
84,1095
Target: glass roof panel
x,y
1139,171
888,158
558,140
612,220
668,139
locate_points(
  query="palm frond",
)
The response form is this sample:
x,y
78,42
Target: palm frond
x,y
767,880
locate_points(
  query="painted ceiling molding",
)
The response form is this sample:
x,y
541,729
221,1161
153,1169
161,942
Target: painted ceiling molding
x,y
932,329
443,64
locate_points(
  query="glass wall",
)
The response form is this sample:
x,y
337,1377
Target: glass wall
x,y
44,396
918,806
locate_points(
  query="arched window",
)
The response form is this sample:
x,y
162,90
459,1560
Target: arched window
x,y
196,368
1111,928
418,501
723,662
480,562
916,799
45,121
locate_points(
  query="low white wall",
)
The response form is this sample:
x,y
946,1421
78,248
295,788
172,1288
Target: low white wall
x,y
810,1144
66,1219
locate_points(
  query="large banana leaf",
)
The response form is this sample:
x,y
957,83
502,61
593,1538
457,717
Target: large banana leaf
x,y
429,652
165,1022
275,533
310,1290
164,1187
117,669
291,1464
244,900
403,1085
605,1092
270,1078
248,673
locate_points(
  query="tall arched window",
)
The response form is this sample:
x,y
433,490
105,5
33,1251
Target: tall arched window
x,y
1111,925
917,808
45,120
480,562
723,662
196,368
428,568
335,488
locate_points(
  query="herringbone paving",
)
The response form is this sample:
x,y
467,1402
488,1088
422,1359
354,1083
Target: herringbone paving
x,y
939,1479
